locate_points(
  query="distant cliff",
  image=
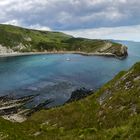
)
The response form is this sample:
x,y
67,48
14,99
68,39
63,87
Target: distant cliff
x,y
17,39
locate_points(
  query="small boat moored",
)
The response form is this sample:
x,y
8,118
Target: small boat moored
x,y
68,59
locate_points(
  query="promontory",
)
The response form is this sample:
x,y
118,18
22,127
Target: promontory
x,y
19,41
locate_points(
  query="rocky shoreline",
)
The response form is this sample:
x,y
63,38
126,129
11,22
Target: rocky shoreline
x,y
63,52
13,109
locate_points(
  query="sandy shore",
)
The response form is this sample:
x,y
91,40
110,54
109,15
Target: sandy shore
x,y
57,52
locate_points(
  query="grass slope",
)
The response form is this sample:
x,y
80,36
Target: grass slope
x,y
112,113
27,40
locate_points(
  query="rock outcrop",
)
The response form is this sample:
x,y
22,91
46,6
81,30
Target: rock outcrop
x,y
13,109
79,94
4,50
119,51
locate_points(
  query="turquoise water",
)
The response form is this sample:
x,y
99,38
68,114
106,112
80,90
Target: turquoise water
x,y
52,76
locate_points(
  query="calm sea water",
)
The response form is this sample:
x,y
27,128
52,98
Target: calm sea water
x,y
53,77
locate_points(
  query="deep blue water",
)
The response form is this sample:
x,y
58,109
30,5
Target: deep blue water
x,y
52,76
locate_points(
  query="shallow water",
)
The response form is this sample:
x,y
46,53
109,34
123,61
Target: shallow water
x,y
53,77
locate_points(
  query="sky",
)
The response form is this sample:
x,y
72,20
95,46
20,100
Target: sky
x,y
103,19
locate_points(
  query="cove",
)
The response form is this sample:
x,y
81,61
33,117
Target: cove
x,y
55,76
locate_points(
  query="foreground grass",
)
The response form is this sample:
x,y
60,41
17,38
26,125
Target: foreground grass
x,y
111,113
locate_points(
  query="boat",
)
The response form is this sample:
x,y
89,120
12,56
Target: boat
x,y
68,59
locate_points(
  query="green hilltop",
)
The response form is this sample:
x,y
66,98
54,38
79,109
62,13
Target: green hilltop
x,y
19,39
112,113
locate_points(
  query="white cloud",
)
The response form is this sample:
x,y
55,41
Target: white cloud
x,y
38,27
75,14
12,22
71,14
117,33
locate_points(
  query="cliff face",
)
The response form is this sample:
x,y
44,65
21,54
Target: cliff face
x,y
115,49
17,39
122,51
4,50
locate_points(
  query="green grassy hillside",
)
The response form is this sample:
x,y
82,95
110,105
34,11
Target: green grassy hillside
x,y
27,40
112,113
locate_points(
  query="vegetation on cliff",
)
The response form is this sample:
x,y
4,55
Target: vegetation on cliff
x,y
113,112
19,39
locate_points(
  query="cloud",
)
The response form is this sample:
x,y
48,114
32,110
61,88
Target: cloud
x,y
12,22
118,33
38,27
71,14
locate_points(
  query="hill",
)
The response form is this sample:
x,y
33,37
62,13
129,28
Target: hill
x,y
113,112
17,39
